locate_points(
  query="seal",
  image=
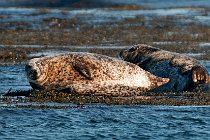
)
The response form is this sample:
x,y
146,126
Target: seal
x,y
84,73
185,73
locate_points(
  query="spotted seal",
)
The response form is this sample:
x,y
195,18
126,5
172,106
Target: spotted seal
x,y
185,73
83,73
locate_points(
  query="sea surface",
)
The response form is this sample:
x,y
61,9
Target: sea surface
x,y
107,122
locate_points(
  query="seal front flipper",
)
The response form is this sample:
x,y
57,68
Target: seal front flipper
x,y
199,75
83,70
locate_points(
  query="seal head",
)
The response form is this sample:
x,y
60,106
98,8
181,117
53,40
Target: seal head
x,y
35,72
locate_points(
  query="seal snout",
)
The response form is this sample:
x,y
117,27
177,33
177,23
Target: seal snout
x,y
123,54
31,73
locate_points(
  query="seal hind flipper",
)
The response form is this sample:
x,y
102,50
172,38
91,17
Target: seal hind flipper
x,y
158,81
199,75
83,70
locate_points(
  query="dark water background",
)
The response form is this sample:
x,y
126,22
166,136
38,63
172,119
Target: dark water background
x,y
102,3
99,121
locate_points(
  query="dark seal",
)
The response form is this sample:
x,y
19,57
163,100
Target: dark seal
x,y
185,73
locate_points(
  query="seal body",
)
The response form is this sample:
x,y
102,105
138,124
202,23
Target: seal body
x,y
90,73
184,72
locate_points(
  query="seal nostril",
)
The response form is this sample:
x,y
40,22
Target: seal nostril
x,y
32,74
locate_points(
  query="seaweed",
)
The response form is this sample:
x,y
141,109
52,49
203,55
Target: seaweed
x,y
147,98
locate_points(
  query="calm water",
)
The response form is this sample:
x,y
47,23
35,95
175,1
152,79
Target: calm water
x,y
13,78
107,122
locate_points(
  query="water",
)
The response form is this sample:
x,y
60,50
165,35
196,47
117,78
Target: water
x,y
168,3
107,122
13,76
100,3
